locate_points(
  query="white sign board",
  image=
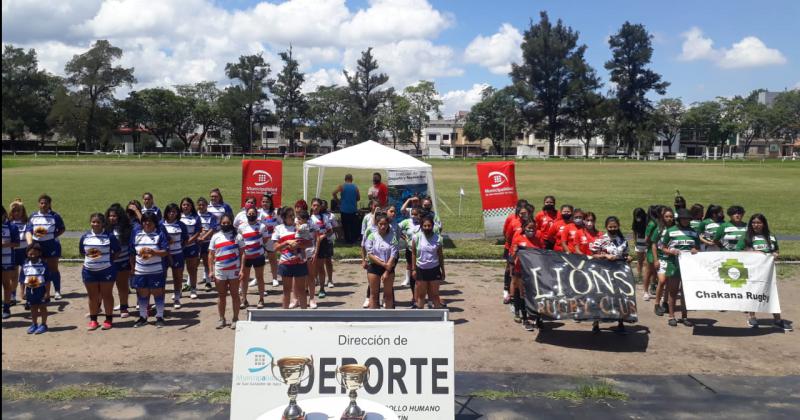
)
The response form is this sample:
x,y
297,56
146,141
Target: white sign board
x,y
411,364
729,281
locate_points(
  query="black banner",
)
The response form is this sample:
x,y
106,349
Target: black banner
x,y
570,286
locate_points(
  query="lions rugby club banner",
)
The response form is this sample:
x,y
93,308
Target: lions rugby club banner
x,y
571,286
730,281
260,177
403,185
498,194
411,365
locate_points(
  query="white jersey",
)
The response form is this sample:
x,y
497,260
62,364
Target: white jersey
x,y
227,252
252,237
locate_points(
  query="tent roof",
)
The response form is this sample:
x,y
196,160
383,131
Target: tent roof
x,y
368,155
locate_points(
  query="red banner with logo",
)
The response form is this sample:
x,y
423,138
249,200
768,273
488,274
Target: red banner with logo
x,y
498,187
260,177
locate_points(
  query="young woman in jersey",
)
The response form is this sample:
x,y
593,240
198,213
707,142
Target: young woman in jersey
x,y
10,243
134,211
218,206
651,236
209,225
191,249
553,236
588,235
715,217
427,259
150,250
149,205
307,233
33,275
638,228
547,215
408,228
512,223
326,272
660,261
252,235
292,265
44,227
611,246
367,223
268,216
696,211
19,218
758,238
241,217
177,236
570,234
676,239
732,231
119,225
528,237
224,253
99,248
382,251
323,248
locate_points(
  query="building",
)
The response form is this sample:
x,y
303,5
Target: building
x,y
531,146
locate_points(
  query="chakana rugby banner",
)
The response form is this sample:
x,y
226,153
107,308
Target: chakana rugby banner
x,y
403,185
498,194
260,177
729,281
572,286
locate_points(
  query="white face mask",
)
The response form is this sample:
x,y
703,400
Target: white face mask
x,y
588,223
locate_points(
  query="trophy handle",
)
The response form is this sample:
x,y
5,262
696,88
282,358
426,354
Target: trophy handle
x,y
272,370
310,372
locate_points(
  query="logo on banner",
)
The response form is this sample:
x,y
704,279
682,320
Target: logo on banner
x,y
260,359
733,273
262,177
497,178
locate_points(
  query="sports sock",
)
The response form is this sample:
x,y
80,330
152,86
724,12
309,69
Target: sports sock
x,y
55,277
159,306
143,303
507,280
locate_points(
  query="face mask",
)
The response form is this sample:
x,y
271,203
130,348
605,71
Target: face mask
x,y
415,220
566,217
549,207
529,232
251,218
589,223
428,231
578,221
227,228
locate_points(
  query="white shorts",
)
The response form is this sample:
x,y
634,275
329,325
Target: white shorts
x,y
226,275
641,248
270,246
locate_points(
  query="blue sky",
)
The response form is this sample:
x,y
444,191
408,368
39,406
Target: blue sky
x,y
703,48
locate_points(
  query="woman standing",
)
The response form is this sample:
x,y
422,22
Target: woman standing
x,y
554,235
33,275
528,237
218,206
731,232
327,266
611,246
638,228
570,234
268,216
252,234
177,237
191,249
708,228
120,226
323,248
758,238
547,216
651,235
382,253
292,265
677,239
241,217
44,227
660,260
99,249
428,260
150,248
697,217
408,228
224,251
588,234
19,218
209,225
149,206
10,243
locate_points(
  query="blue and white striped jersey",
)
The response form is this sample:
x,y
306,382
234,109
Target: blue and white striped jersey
x,y
142,243
176,236
97,250
43,226
154,210
33,274
218,210
10,236
208,222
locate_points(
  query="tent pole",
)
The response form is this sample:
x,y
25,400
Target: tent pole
x,y
432,190
305,183
320,176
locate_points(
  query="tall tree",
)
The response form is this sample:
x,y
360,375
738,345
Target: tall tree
x,y
551,59
330,112
706,122
394,116
164,111
131,112
291,106
496,116
95,76
748,118
588,109
205,112
668,120
632,50
365,91
251,71
785,115
423,100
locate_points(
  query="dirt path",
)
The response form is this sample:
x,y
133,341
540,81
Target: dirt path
x,y
486,337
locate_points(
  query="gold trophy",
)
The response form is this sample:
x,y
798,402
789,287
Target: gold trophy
x,y
352,377
292,370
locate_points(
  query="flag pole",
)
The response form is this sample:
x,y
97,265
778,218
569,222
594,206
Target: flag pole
x,y
460,196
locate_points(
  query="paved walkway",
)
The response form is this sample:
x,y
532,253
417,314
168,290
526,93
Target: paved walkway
x,y
668,397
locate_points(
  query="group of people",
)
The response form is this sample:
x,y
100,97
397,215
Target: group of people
x,y
660,234
138,246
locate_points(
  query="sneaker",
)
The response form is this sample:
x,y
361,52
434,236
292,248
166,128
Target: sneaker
x,y
528,325
93,325
366,303
176,304
275,283
106,325
292,304
186,287
124,314
252,283
116,308
14,301
646,296
243,304
193,294
659,310
260,304
221,323
41,329
672,322
596,328
506,297
785,325
27,306
321,294
57,296
233,324
141,322
32,328
160,323
686,322
329,285
209,286
517,318
6,314
312,304
406,282
752,322
413,306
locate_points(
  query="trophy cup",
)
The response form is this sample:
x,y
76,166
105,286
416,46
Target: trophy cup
x,y
352,377
292,370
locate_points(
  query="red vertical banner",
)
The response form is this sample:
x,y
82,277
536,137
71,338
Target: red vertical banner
x,y
498,187
260,177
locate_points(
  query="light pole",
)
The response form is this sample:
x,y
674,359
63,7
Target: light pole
x,y
504,137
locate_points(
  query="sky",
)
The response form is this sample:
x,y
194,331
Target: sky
x,y
704,48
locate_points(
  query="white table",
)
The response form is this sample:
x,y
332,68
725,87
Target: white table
x,y
332,408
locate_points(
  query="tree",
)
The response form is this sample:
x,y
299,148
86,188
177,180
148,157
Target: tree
x,y
632,50
394,116
164,111
497,116
131,112
785,115
330,112
588,110
668,119
252,72
364,86
551,60
291,106
94,75
747,118
205,112
422,100
705,119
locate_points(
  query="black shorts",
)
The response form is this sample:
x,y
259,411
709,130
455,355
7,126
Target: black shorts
x,y
429,274
377,270
255,262
408,255
325,249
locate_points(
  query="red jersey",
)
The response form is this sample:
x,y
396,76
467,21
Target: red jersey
x,y
520,240
554,234
545,220
584,240
512,224
383,194
571,235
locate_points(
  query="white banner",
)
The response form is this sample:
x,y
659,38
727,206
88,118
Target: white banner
x,y
411,364
729,281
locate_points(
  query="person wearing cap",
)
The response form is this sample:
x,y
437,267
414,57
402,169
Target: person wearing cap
x,y
676,239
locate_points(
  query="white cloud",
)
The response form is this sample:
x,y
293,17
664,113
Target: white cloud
x,y
408,61
461,100
749,52
393,20
496,52
323,77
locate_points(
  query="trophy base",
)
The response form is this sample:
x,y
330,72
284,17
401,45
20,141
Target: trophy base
x,y
346,416
302,417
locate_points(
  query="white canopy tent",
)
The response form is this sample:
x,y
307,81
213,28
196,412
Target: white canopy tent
x,y
366,155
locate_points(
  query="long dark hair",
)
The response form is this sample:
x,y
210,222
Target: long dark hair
x,y
610,219
750,234
193,211
271,202
123,222
172,207
639,227
712,211
654,213
132,214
